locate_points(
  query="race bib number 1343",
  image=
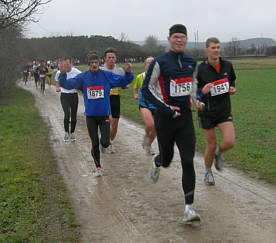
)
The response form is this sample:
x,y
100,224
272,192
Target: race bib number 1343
x,y
96,92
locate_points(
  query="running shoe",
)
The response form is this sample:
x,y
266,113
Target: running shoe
x,y
154,172
190,216
209,178
219,161
66,137
72,137
98,172
110,149
149,150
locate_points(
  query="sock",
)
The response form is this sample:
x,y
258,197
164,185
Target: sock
x,y
208,169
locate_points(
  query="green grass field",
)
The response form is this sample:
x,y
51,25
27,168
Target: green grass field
x,y
254,112
33,203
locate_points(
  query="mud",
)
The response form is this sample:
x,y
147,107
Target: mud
x,y
124,206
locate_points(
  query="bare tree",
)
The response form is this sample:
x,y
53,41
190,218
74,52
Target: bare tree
x,y
18,11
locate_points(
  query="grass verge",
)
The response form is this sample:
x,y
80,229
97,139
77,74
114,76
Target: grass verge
x,y
34,206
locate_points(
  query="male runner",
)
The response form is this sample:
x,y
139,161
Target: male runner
x,y
42,70
110,65
216,82
168,85
69,100
96,85
146,109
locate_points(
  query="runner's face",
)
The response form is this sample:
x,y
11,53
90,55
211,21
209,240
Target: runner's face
x,y
147,63
94,65
213,51
178,42
68,66
110,60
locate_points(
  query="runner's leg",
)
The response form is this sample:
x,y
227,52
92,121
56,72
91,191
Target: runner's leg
x,y
149,124
105,132
65,103
211,143
228,135
74,108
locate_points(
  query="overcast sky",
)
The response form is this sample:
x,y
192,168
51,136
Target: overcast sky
x,y
138,19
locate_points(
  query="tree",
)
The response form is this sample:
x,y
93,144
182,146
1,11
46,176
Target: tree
x,y
232,48
18,11
151,46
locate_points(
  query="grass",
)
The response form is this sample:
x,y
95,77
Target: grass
x,y
254,112
33,203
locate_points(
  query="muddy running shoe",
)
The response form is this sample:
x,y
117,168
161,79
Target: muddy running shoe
x,y
66,137
190,216
219,161
98,172
72,137
154,172
209,178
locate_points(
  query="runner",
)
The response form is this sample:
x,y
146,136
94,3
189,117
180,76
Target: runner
x,y
216,82
110,65
49,74
69,100
168,85
36,75
146,109
42,70
25,73
96,85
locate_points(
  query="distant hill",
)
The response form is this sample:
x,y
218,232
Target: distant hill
x,y
243,43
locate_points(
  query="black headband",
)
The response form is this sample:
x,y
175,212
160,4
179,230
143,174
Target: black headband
x,y
178,28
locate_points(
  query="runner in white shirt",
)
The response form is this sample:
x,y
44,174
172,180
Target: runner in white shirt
x,y
69,101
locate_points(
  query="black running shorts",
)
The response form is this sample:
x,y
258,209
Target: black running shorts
x,y
208,122
115,106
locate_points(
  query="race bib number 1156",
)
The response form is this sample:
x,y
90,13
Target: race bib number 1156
x,y
96,92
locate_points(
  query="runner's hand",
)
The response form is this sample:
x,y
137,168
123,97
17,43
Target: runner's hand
x,y
57,89
136,97
176,108
199,106
206,88
128,67
232,90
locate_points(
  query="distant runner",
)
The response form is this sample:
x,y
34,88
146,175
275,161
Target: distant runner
x,y
216,82
146,109
42,70
96,85
69,100
168,86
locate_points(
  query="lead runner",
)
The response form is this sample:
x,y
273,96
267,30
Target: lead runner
x,y
168,86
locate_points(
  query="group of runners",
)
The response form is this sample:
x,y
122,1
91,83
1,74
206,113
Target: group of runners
x,y
40,71
166,90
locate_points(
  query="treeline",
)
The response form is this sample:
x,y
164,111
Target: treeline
x,y
52,48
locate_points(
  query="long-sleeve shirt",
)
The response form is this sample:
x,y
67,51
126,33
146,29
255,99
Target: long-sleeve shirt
x,y
96,87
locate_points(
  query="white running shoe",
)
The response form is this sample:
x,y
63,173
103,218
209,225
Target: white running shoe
x,y
209,178
190,216
73,137
66,137
110,149
98,172
219,160
154,172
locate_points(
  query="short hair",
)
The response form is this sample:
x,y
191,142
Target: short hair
x,y
110,50
211,40
148,58
93,55
67,58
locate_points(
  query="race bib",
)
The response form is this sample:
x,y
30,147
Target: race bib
x,y
220,87
42,75
96,92
180,86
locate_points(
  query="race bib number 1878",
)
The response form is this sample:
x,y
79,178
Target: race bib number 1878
x,y
220,87
180,86
96,92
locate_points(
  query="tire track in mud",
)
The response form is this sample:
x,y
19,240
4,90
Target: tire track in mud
x,y
124,206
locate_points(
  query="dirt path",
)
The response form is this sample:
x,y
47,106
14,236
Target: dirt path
x,y
124,206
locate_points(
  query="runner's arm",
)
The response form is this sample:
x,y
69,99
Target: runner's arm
x,y
71,83
56,79
151,89
117,80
